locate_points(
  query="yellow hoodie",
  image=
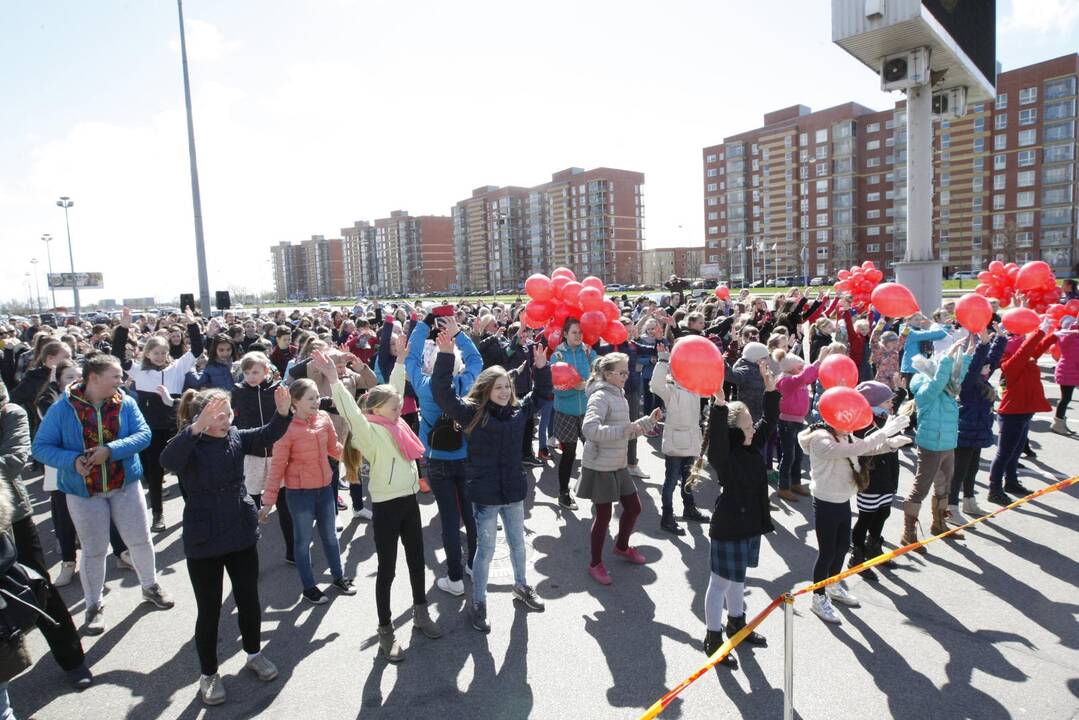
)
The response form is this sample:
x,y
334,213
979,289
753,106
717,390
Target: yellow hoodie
x,y
391,475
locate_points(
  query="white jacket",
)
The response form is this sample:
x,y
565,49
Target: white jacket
x,y
682,427
832,462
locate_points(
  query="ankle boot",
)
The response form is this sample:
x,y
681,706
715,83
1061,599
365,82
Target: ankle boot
x,y
387,644
421,620
940,518
857,557
875,547
734,624
1060,426
713,639
910,526
668,523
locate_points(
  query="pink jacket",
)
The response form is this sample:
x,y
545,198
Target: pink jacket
x,y
299,459
795,395
1067,371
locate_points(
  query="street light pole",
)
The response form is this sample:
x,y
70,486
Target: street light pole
x,y
47,238
30,300
196,200
65,202
37,287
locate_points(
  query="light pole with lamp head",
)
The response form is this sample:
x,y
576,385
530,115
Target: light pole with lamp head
x,y
47,238
37,287
65,202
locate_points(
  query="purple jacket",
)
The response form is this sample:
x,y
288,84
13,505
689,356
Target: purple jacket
x,y
795,395
1067,371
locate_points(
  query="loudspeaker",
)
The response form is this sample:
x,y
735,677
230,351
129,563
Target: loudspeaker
x,y
187,300
222,299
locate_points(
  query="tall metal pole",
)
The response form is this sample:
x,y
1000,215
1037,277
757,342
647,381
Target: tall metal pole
x,y
47,239
788,657
37,287
196,200
66,202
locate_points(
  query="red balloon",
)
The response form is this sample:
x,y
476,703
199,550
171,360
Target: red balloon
x,y
1034,274
564,376
561,312
590,339
1054,350
589,298
539,310
554,335
894,300
973,312
838,370
558,285
996,267
593,322
531,321
723,292
845,409
592,281
1057,311
538,287
874,275
615,333
697,365
843,274
982,289
868,265
1072,308
1020,321
570,292
611,310
564,272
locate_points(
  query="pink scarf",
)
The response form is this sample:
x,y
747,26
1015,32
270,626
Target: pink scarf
x,y
408,444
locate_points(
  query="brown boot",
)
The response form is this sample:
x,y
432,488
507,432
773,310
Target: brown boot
x,y
910,526
940,518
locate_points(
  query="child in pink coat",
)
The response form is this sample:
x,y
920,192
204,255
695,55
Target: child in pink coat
x,y
1067,372
795,397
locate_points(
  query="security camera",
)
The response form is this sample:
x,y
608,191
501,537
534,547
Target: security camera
x,y
904,70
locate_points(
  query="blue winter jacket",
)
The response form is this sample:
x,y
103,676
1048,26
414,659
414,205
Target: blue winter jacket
x,y
976,414
938,412
629,348
573,402
59,442
421,384
216,376
911,347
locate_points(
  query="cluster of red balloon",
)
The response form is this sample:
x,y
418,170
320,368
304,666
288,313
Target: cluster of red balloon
x,y
1035,280
564,376
560,296
998,282
859,282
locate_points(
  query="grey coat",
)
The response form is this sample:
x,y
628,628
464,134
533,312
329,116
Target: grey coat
x,y
606,427
746,376
14,452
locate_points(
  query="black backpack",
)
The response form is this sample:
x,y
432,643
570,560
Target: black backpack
x,y
22,594
445,435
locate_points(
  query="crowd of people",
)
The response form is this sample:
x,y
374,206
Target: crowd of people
x,y
309,414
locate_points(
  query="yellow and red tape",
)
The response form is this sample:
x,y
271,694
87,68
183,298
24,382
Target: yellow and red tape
x,y
732,642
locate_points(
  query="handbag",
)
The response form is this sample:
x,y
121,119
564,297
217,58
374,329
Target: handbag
x,y
445,435
22,594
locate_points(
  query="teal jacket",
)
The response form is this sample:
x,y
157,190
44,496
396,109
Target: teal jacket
x,y
573,402
938,412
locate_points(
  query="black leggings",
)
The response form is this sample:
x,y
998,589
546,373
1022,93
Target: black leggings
x,y
1065,398
397,519
832,522
869,523
284,518
967,460
151,467
206,579
565,466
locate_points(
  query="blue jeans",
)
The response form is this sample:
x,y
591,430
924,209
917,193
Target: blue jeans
x,y
308,508
513,522
790,466
677,471
1013,438
447,478
6,713
546,408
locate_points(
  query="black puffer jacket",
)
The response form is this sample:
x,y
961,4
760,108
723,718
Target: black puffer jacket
x,y
253,407
742,508
493,474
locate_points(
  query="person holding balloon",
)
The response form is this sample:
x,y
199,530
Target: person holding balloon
x,y
570,404
1023,396
836,472
795,397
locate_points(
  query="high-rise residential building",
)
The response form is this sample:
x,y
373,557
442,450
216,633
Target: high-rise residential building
x,y
810,193
398,255
591,221
660,263
313,268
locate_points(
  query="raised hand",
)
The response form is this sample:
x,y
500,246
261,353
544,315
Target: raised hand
x,y
125,318
444,340
215,410
657,415
188,315
539,356
321,363
400,343
282,400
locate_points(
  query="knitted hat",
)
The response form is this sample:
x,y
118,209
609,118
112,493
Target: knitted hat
x,y
888,336
875,393
754,352
791,364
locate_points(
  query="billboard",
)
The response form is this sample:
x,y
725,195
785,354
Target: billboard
x,y
91,280
973,26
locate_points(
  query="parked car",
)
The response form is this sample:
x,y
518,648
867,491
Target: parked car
x,y
965,275
818,281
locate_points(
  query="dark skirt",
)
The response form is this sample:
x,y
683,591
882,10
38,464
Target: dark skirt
x,y
730,558
605,486
567,428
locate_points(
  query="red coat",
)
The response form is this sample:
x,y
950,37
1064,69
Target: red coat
x,y
1023,391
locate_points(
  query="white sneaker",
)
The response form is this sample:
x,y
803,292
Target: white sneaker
x,y
970,507
839,593
67,574
363,513
955,517
636,472
823,609
453,587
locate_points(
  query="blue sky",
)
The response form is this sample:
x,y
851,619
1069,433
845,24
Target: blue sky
x,y
311,115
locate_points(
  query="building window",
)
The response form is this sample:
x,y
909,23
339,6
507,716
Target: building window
x,y
1025,179
1061,87
822,252
978,164
875,127
1060,131
945,179
711,158
979,124
1024,199
1059,110
979,144
872,197
872,162
1028,95
1000,142
873,179
872,248
712,202
998,221
712,172
821,136
1054,216
1024,219
1000,182
822,219
1057,174
821,153
976,184
872,214
998,202
1028,137
713,230
1000,122
872,145
713,215
1026,158
1002,101
1029,116
803,139
1057,195
873,230
945,197
821,169
945,140
1000,162
1059,153
711,187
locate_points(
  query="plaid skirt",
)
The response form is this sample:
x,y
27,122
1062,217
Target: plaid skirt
x,y
730,558
567,428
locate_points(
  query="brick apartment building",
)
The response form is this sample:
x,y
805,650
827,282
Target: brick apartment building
x,y
313,268
809,193
591,221
658,264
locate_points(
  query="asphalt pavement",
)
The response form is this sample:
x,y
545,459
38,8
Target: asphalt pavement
x,y
979,628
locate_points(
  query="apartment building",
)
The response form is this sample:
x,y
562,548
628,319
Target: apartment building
x,y
809,193
591,221
658,264
313,268
398,255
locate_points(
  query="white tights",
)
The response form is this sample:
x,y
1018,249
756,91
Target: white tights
x,y
720,589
